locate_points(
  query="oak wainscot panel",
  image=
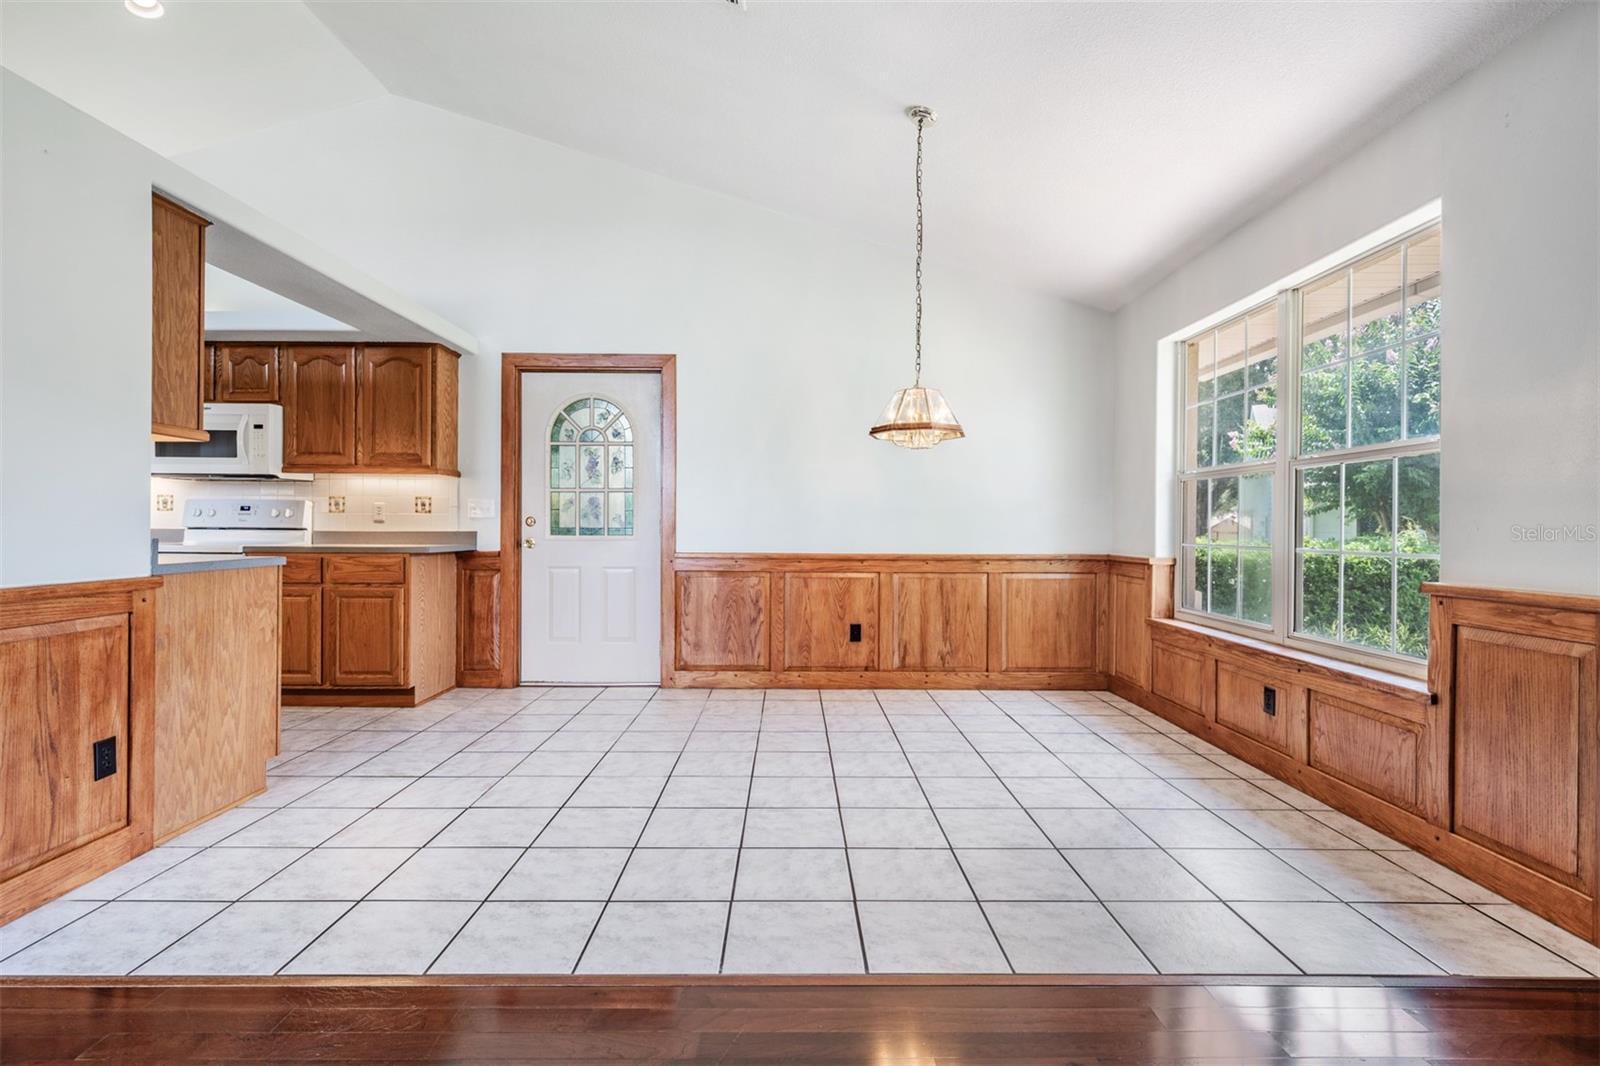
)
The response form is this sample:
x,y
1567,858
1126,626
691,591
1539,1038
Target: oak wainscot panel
x,y
889,621
1491,767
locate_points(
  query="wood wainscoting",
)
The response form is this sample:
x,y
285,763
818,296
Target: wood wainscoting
x,y
1489,767
784,620
480,649
905,621
77,666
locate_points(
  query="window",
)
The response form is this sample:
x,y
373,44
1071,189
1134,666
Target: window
x,y
1323,534
591,470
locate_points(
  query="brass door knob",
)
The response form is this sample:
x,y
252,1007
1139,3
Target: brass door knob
x,y
527,542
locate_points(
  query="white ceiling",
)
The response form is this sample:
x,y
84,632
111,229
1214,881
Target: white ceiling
x,y
206,71
1085,148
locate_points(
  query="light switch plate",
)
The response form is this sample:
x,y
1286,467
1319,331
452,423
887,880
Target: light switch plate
x,y
480,508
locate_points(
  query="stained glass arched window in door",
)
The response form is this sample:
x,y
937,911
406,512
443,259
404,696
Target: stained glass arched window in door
x,y
591,470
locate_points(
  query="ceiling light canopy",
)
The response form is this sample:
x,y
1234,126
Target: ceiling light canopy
x,y
145,9
918,417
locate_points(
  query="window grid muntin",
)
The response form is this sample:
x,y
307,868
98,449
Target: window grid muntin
x,y
1290,458
567,413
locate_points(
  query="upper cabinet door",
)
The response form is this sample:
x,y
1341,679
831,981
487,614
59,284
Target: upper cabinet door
x,y
395,407
319,407
177,346
247,373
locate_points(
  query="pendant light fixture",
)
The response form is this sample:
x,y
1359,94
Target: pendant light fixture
x,y
918,417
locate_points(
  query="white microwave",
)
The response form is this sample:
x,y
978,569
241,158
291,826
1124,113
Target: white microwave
x,y
246,441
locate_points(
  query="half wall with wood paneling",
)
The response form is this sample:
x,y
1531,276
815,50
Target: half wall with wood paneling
x,y
1490,767
898,621
77,668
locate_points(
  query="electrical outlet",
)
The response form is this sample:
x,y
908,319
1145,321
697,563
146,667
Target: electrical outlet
x,y
1269,701
336,505
422,505
105,757
164,501
380,510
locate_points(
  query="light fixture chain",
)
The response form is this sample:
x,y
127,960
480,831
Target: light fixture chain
x,y
921,121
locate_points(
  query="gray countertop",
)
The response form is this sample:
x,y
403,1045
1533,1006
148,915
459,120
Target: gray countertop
x,y
183,564
162,564
410,542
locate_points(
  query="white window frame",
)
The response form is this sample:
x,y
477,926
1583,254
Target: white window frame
x,y
1285,467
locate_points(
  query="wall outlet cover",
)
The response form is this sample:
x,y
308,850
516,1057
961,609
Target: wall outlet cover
x,y
336,505
164,501
380,510
105,757
422,505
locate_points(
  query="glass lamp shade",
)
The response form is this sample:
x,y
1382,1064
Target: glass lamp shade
x,y
917,418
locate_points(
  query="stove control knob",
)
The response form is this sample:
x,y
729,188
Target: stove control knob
x,y
274,512
211,512
197,512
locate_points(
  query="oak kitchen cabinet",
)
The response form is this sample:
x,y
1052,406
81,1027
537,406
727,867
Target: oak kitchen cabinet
x,y
358,409
319,407
178,365
376,625
244,373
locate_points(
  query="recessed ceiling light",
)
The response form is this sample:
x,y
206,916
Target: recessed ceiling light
x,y
145,9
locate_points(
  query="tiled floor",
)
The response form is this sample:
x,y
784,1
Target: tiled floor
x,y
629,830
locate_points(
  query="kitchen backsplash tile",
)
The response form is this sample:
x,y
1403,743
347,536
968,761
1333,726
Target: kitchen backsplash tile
x,y
412,501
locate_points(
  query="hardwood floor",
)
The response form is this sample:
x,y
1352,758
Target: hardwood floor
x,y
929,1022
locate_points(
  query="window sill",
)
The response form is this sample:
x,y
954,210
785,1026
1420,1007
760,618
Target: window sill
x,y
1394,684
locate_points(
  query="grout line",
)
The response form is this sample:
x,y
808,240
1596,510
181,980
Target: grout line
x,y
1062,851
744,824
844,841
942,832
644,825
800,714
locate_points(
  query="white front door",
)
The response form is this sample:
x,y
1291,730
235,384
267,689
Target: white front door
x,y
591,499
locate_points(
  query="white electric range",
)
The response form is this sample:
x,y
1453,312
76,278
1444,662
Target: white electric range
x,y
223,527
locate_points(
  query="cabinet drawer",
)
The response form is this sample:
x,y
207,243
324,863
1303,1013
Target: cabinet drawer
x,y
365,569
302,570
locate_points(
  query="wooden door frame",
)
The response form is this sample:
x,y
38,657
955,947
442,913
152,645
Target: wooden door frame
x,y
512,366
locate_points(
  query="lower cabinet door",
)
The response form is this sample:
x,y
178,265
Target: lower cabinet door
x,y
365,636
302,635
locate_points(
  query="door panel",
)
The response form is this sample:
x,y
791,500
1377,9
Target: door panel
x,y
622,603
394,407
302,635
246,373
319,407
365,629
591,590
566,603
